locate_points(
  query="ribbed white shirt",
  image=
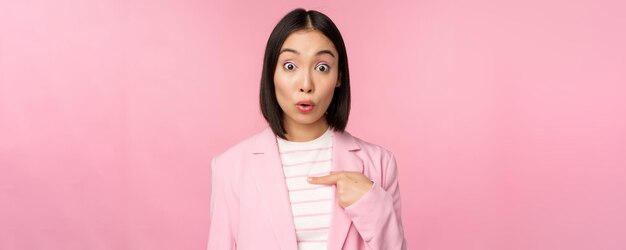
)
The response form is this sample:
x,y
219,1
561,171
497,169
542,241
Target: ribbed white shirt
x,y
311,204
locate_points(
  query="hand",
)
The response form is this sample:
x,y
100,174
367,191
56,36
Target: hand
x,y
351,186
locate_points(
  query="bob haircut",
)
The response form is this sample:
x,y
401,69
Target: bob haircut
x,y
339,110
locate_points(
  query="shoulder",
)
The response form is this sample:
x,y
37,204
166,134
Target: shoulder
x,y
243,147
379,163
374,156
227,167
372,150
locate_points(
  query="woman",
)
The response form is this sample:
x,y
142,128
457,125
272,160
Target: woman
x,y
304,182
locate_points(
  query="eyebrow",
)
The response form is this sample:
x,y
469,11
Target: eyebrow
x,y
298,53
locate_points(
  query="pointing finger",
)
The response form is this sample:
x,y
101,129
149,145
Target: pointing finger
x,y
327,179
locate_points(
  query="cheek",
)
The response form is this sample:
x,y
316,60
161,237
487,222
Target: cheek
x,y
281,80
329,95
327,86
281,84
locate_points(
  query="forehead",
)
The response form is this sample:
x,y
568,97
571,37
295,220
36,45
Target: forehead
x,y
308,41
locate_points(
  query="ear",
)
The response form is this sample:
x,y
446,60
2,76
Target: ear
x,y
338,80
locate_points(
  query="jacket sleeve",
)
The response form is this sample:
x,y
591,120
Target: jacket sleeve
x,y
223,218
377,215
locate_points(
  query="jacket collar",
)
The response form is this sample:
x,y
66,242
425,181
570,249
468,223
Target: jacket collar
x,y
270,181
265,142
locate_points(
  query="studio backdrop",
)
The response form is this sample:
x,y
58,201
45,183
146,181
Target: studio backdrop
x,y
507,118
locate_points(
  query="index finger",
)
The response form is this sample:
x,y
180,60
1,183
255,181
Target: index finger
x,y
326,179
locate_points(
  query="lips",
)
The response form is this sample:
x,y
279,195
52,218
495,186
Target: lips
x,y
305,106
305,103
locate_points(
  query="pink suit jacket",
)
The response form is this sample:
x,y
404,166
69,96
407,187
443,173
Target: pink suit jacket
x,y
250,206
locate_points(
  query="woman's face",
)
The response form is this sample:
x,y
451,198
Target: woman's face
x,y
306,77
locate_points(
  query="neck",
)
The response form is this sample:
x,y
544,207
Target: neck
x,y
298,132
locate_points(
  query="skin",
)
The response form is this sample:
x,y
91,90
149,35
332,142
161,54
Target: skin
x,y
307,69
350,186
305,72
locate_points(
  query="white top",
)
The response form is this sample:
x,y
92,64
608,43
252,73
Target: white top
x,y
311,204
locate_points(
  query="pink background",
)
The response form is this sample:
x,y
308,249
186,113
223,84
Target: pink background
x,y
507,118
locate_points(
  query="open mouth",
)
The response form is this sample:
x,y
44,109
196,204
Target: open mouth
x,y
305,107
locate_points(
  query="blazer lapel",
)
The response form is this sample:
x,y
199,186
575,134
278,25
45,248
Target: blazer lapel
x,y
270,181
344,159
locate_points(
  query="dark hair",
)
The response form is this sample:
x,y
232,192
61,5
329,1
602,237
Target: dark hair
x,y
298,19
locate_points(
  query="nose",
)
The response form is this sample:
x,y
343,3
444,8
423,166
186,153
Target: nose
x,y
307,84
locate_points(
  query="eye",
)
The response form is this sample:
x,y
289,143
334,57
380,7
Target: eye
x,y
322,67
289,66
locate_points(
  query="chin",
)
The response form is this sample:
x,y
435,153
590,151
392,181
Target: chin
x,y
306,119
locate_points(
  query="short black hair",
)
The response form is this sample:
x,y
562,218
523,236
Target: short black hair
x,y
339,110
